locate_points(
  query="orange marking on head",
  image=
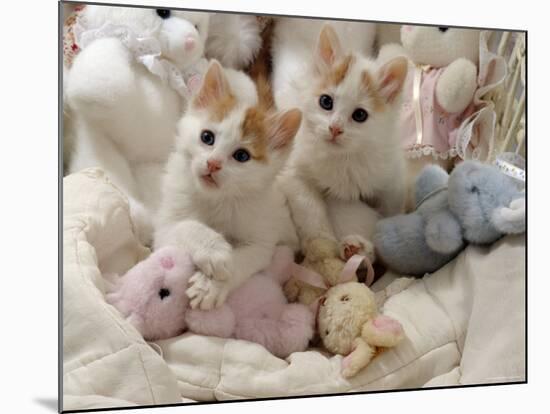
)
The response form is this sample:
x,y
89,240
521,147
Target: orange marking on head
x,y
370,87
254,133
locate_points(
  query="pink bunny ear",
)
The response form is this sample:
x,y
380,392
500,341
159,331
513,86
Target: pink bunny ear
x,y
383,330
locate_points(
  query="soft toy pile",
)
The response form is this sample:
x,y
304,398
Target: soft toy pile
x,y
476,203
151,295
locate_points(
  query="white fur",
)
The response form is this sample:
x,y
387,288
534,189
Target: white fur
x,y
123,117
230,230
366,162
233,39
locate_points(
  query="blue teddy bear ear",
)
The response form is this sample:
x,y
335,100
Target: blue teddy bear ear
x,y
511,219
431,178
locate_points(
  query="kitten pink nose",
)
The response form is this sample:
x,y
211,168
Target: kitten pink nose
x,y
214,165
189,44
335,130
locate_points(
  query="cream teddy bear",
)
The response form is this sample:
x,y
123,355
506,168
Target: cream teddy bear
x,y
349,324
322,257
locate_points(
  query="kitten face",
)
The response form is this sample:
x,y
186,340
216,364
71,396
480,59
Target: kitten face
x,y
350,97
234,148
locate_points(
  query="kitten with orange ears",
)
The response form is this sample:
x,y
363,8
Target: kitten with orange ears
x,y
219,200
347,166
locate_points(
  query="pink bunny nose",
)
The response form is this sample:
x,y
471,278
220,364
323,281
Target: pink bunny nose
x,y
189,44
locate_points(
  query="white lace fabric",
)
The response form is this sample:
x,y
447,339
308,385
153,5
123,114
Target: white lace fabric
x,y
146,50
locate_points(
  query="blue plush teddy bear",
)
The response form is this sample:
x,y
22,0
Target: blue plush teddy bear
x,y
476,204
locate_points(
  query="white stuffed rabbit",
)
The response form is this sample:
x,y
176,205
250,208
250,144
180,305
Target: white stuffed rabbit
x,y
127,88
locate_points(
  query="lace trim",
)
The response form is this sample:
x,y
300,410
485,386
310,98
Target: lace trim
x,y
146,50
427,150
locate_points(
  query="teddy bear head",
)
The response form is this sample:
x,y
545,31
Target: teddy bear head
x,y
486,202
322,256
440,46
151,295
181,34
343,311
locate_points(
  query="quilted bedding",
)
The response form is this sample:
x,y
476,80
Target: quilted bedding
x,y
464,324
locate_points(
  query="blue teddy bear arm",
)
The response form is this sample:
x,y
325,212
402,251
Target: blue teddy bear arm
x,y
444,233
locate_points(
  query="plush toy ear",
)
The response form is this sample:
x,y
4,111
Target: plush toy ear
x,y
382,330
431,178
328,48
510,220
391,77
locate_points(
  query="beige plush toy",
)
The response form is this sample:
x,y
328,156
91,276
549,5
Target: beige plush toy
x,y
438,92
322,257
349,324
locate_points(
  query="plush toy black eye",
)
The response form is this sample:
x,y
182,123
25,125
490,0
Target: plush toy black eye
x,y
241,155
197,27
360,115
443,29
327,332
163,13
344,298
208,137
163,293
326,102
474,189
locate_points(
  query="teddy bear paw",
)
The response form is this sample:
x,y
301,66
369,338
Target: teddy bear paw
x,y
356,244
206,293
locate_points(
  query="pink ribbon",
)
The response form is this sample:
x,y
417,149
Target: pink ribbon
x,y
313,278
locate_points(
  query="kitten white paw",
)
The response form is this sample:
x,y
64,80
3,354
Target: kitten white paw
x,y
216,263
356,244
205,293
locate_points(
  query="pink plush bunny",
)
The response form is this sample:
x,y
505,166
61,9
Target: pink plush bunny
x,y
152,297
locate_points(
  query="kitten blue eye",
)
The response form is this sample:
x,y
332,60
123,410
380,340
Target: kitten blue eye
x,y
360,115
163,13
443,29
326,102
208,137
241,155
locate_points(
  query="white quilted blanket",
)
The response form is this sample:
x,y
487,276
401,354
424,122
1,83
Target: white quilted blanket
x,y
464,324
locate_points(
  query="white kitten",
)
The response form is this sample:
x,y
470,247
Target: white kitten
x,y
219,200
294,48
124,117
348,149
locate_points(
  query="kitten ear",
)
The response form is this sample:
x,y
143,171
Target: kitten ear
x,y
391,77
214,86
328,48
284,128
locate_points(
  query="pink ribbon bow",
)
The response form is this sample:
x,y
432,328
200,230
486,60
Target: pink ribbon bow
x,y
313,278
